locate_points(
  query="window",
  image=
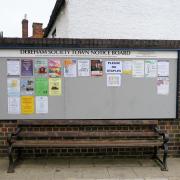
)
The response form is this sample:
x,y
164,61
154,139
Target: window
x,y
54,33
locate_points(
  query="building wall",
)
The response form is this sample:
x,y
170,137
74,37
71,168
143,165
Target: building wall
x,y
119,19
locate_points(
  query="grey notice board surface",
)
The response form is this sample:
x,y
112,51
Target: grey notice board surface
x,y
90,98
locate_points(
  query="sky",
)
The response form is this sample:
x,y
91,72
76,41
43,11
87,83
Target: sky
x,y
12,12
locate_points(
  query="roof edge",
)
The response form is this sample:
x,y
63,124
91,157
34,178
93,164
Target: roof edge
x,y
53,17
15,43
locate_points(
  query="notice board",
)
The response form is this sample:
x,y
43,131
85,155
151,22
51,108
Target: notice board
x,y
87,84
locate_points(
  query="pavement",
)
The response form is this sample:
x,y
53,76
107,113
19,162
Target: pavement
x,y
90,169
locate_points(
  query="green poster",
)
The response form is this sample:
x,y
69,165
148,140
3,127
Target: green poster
x,y
41,87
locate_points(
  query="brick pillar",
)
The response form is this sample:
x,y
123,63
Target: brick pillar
x,y
24,28
37,30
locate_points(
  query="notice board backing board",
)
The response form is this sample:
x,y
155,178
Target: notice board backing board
x,y
90,98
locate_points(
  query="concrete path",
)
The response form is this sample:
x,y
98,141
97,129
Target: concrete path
x,y
90,169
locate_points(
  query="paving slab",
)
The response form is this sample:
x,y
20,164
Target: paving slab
x,y
148,172
65,173
95,172
116,162
121,172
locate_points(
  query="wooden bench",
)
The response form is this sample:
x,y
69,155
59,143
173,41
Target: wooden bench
x,y
125,134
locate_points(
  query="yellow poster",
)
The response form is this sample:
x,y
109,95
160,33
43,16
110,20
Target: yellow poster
x,y
27,104
55,87
127,67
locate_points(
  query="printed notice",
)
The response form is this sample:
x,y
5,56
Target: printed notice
x,y
54,87
13,85
13,67
96,68
114,67
70,68
41,87
163,68
13,105
127,67
27,104
41,104
113,80
163,85
41,67
27,86
27,67
83,68
138,68
151,68
55,68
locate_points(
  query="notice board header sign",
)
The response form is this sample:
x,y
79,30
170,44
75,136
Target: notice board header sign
x,y
86,53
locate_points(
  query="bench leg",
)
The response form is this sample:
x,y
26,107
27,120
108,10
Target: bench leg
x,y
164,163
11,161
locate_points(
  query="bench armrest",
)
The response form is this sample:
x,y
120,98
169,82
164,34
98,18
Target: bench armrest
x,y
12,135
164,135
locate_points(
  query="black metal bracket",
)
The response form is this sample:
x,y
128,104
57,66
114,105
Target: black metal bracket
x,y
10,138
164,147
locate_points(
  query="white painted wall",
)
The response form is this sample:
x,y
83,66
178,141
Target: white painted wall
x,y
119,19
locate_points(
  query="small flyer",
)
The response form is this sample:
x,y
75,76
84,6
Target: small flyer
x,y
41,87
41,104
13,105
13,67
41,67
163,85
13,85
127,67
138,68
27,105
54,87
70,68
83,68
27,67
55,69
163,68
96,68
27,86
150,68
113,67
113,80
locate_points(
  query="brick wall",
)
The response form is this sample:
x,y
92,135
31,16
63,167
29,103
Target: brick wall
x,y
172,127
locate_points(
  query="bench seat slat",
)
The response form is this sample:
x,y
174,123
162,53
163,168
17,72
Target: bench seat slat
x,y
32,134
87,143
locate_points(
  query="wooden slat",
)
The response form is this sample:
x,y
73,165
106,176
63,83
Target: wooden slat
x,y
85,122
86,134
85,143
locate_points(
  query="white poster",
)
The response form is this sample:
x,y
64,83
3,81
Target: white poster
x,y
13,85
113,67
113,80
127,67
151,68
83,68
13,67
163,85
163,68
41,104
13,105
138,68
